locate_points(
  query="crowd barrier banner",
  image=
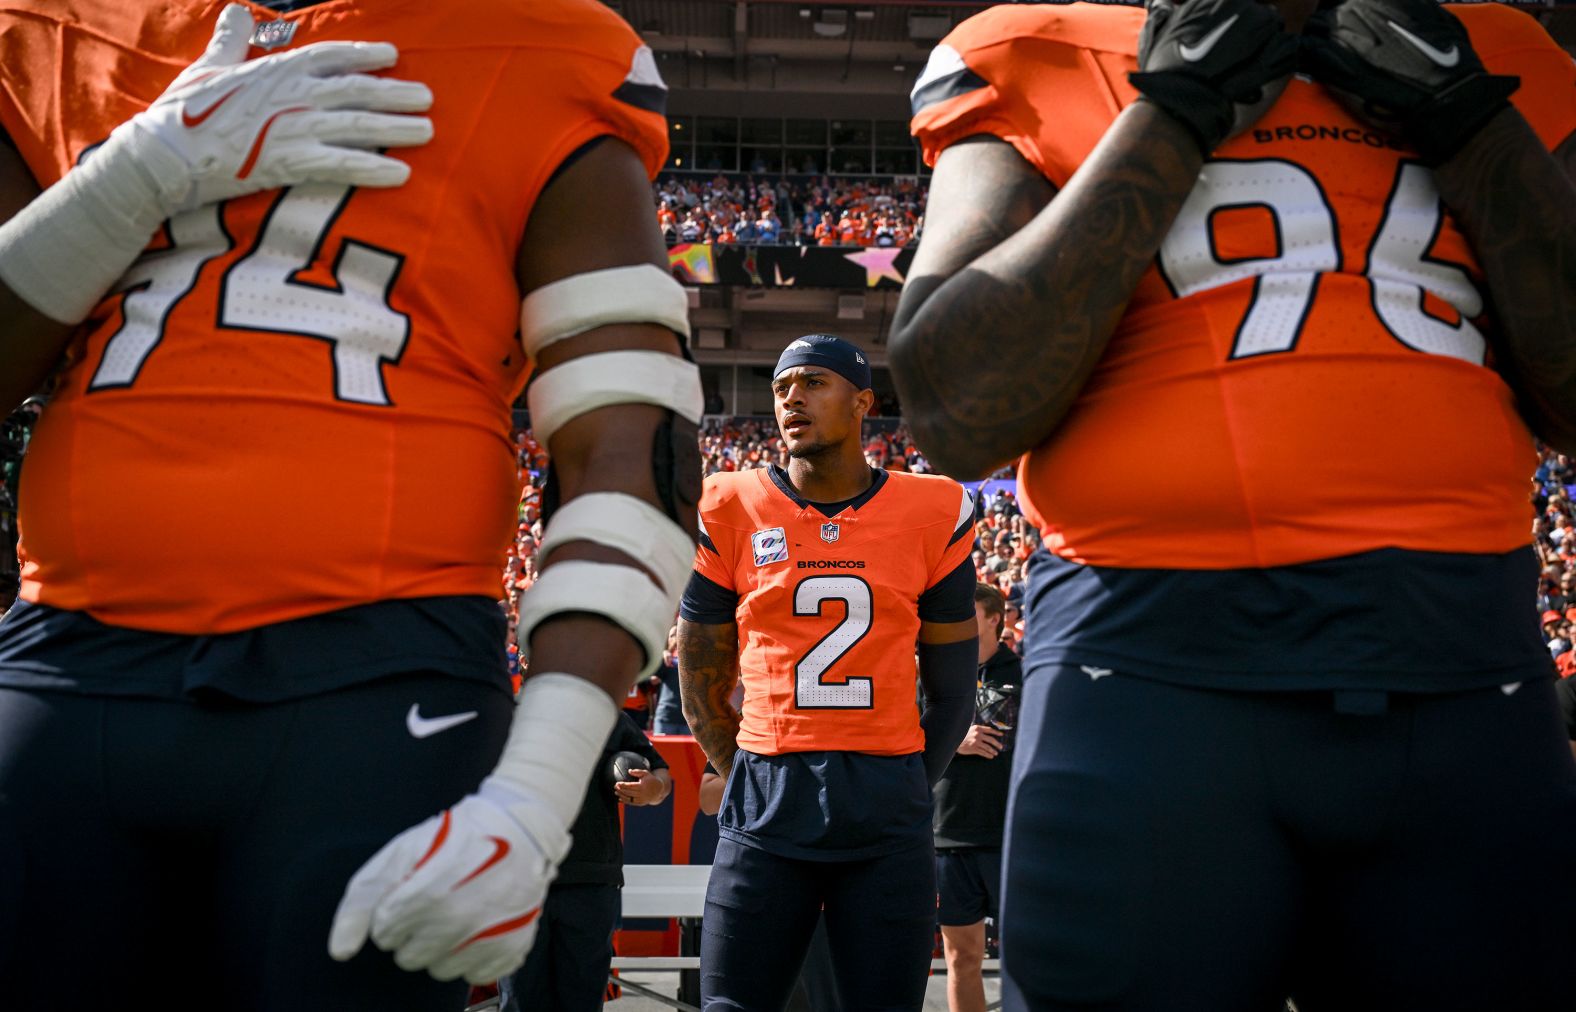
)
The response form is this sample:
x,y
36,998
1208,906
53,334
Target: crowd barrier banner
x,y
791,266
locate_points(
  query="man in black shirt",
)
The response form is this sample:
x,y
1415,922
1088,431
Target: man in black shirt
x,y
1565,690
568,967
971,809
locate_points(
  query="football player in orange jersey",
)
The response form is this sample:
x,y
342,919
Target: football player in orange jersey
x,y
814,586
267,504
1286,727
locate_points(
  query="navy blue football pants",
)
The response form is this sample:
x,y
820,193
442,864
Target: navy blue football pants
x,y
568,967
761,910
1179,849
164,854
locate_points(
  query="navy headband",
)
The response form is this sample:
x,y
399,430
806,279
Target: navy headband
x,y
828,352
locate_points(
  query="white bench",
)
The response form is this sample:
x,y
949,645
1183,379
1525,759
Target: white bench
x,y
665,890
679,890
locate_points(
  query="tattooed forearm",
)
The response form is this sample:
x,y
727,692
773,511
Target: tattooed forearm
x,y
708,673
1517,206
988,353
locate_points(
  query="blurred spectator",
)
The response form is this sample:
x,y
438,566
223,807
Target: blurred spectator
x,y
1556,629
1566,691
971,810
669,715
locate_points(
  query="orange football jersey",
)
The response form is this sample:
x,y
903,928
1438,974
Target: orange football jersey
x,y
299,401
1302,374
828,607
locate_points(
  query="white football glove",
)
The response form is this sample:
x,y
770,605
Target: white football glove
x,y
235,126
224,128
460,894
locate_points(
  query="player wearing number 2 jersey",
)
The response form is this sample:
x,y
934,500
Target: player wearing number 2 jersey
x,y
1265,345
812,586
266,505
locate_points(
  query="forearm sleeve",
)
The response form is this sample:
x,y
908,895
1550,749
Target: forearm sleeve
x,y
947,675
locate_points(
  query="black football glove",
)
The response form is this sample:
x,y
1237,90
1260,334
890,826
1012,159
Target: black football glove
x,y
1205,61
1406,66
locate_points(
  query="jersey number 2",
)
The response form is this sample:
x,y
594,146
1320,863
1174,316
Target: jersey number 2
x,y
810,690
260,291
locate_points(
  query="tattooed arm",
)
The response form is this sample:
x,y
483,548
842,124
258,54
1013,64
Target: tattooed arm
x,y
708,672
1517,205
1013,295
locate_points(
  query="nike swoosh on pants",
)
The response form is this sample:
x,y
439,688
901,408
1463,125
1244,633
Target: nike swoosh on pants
x,y
424,727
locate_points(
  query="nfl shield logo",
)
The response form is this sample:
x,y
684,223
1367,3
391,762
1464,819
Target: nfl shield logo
x,y
829,533
273,34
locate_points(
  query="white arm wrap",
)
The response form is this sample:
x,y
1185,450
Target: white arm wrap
x,y
625,596
631,525
585,384
561,724
63,252
643,293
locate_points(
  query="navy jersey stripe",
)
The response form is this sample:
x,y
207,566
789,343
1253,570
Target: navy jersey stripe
x,y
951,598
708,602
650,97
944,88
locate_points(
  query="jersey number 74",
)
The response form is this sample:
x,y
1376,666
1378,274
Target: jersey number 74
x,y
261,291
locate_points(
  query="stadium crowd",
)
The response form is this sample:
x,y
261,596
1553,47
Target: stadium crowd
x,y
819,211
1554,539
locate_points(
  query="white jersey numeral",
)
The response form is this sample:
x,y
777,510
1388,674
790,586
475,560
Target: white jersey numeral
x,y
1399,269
153,285
1283,284
811,691
261,291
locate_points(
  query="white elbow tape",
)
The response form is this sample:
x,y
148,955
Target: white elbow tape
x,y
643,293
623,595
631,525
585,384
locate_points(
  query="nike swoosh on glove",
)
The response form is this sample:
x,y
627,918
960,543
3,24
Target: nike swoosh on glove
x,y
228,126
1407,66
459,895
1212,63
